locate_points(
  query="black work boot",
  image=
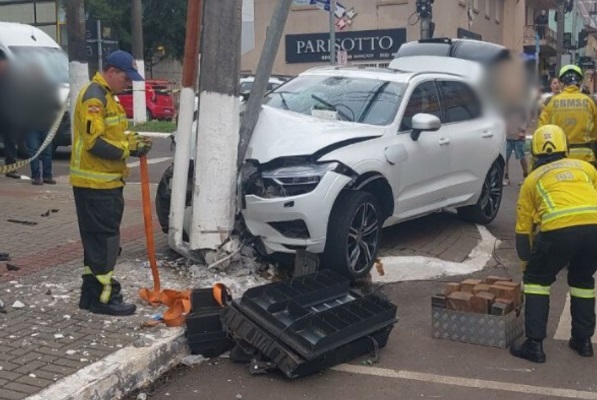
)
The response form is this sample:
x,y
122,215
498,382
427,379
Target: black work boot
x,y
114,307
583,347
530,349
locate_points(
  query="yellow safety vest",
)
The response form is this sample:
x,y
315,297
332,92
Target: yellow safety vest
x,y
558,195
98,114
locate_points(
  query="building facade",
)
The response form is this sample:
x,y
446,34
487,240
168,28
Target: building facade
x,y
371,31
43,14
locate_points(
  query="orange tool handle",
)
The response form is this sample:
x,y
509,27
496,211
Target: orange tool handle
x,y
149,223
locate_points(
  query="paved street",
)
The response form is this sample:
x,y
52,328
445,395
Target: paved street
x,y
413,364
49,339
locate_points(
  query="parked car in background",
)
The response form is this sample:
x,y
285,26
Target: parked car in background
x,y
159,101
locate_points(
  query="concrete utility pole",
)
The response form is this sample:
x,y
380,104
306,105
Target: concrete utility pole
x,y
78,67
139,106
264,70
332,32
560,35
183,150
214,189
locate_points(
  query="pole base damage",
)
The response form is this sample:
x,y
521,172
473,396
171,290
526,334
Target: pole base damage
x,y
299,326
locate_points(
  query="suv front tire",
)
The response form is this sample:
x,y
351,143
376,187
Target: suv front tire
x,y
353,235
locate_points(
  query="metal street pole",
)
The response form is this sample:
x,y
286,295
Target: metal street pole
x,y
264,70
100,59
139,103
560,35
332,32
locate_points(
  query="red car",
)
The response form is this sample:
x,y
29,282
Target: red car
x,y
158,100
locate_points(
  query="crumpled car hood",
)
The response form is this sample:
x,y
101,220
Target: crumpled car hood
x,y
281,133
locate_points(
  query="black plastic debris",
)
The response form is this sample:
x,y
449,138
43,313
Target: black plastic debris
x,y
12,267
311,322
17,221
4,257
205,334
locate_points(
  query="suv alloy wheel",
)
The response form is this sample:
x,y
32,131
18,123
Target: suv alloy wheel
x,y
354,233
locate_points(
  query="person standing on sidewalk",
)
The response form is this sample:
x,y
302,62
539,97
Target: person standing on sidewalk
x,y
560,195
8,140
34,142
97,171
575,113
515,141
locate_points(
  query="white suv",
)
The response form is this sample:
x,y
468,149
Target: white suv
x,y
338,153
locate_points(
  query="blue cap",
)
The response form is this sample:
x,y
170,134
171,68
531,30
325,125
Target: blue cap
x,y
124,61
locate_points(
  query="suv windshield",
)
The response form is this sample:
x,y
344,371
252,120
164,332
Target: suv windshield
x,y
363,100
53,60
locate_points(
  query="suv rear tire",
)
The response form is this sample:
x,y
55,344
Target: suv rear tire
x,y
353,234
488,205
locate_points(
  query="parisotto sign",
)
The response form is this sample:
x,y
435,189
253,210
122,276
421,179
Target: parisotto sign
x,y
359,45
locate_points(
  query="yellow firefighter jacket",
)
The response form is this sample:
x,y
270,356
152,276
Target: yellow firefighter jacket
x,y
558,195
576,114
100,147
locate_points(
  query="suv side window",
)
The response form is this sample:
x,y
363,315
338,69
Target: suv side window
x,y
460,102
424,99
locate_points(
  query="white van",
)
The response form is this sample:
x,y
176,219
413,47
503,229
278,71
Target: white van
x,y
22,44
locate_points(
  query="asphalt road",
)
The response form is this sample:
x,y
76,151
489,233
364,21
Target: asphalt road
x,y
414,365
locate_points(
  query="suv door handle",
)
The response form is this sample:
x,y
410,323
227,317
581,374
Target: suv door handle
x,y
444,142
487,134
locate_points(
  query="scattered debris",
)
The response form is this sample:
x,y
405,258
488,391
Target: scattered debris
x,y
47,213
18,304
12,267
49,292
193,360
141,343
4,257
58,336
150,324
379,267
2,309
71,352
32,375
141,396
18,221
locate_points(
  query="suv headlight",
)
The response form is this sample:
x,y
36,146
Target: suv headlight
x,y
296,180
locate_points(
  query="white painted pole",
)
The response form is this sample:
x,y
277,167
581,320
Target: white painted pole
x,y
139,103
217,141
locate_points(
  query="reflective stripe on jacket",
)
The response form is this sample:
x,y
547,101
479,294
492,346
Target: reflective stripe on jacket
x,y
558,195
576,114
100,145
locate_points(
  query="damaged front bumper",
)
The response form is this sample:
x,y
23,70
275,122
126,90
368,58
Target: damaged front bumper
x,y
286,223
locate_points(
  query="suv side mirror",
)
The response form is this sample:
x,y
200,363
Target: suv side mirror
x,y
424,122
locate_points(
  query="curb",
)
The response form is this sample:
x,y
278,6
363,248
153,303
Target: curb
x,y
159,135
121,372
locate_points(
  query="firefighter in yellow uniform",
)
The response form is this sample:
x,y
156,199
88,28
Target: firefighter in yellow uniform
x,y
97,171
561,195
574,112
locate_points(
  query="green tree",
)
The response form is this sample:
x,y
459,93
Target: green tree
x,y
164,24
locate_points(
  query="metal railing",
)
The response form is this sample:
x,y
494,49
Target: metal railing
x,y
549,36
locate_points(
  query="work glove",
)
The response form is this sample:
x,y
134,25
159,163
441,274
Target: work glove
x,y
523,265
139,145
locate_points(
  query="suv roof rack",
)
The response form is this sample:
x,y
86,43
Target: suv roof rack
x,y
465,49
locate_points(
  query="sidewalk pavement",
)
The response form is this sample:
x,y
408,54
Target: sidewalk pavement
x,y
49,349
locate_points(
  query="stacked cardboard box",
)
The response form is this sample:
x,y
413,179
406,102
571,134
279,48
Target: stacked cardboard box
x,y
495,296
